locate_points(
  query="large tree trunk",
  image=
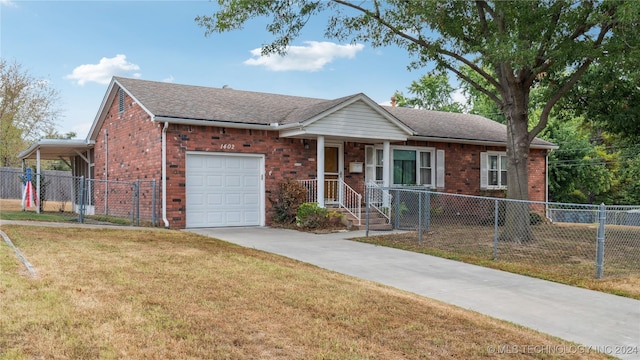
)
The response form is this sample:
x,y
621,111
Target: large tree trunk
x,y
517,226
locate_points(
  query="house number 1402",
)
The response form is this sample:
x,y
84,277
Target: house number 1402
x,y
227,146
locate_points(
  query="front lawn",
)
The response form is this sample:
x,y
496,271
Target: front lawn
x,y
162,294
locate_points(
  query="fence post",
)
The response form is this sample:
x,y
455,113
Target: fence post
x,y
496,218
153,203
367,191
396,211
602,216
427,212
420,218
138,202
81,201
133,204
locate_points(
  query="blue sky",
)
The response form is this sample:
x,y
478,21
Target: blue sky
x,y
79,45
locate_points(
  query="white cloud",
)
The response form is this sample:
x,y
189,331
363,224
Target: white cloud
x,y
102,72
312,57
169,79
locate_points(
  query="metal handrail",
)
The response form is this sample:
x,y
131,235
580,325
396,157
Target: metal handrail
x,y
380,200
343,194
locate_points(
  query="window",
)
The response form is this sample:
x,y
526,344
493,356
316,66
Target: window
x,y
493,170
404,167
409,166
373,162
378,165
425,167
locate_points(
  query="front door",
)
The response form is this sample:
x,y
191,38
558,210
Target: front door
x,y
333,165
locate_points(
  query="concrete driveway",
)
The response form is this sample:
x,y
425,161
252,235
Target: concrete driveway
x,y
607,323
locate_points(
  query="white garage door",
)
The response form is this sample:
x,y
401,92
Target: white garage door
x,y
223,190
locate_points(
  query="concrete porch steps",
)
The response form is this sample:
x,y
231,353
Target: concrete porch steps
x,y
377,222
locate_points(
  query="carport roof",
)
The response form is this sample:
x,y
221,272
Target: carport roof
x,y
54,149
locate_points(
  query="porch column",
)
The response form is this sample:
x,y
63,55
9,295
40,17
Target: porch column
x,y
386,171
23,185
38,172
320,170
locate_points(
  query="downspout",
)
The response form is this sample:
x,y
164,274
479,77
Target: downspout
x,y
546,185
106,170
164,175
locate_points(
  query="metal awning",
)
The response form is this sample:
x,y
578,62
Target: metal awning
x,y
54,149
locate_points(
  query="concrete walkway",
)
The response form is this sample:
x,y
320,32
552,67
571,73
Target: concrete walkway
x,y
608,323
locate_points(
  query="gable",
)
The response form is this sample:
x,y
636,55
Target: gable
x,y
356,120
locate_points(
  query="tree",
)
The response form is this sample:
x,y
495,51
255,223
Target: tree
x,y
28,110
478,102
431,92
524,43
609,97
581,171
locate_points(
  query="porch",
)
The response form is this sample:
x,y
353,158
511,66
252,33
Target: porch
x,y
343,198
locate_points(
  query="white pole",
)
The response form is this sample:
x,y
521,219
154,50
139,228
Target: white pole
x,y
38,172
320,170
386,172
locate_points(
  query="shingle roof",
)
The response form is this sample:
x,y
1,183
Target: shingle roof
x,y
219,104
230,105
453,126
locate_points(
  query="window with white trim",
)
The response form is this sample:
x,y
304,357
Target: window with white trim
x,y
493,170
409,166
379,167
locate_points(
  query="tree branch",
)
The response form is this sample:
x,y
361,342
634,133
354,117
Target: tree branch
x,y
544,116
424,44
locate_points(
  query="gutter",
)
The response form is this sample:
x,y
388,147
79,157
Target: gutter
x,y
226,124
476,142
164,175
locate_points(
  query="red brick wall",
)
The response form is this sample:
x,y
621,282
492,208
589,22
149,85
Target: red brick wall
x,y
284,159
462,169
537,175
134,152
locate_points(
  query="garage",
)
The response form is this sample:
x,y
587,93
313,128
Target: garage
x,y
224,190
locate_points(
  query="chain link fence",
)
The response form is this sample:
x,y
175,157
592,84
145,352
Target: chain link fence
x,y
83,200
576,240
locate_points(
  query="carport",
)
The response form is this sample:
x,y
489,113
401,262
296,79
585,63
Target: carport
x,y
76,153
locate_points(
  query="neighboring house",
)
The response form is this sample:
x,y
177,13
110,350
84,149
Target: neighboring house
x,y
219,154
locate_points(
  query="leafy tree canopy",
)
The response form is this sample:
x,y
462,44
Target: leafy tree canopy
x,y
608,96
28,110
431,92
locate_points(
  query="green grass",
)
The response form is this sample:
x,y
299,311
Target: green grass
x,y
33,216
66,217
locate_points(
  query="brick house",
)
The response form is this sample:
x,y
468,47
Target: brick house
x,y
219,154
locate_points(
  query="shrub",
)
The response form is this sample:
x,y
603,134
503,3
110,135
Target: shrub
x,y
311,216
290,195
